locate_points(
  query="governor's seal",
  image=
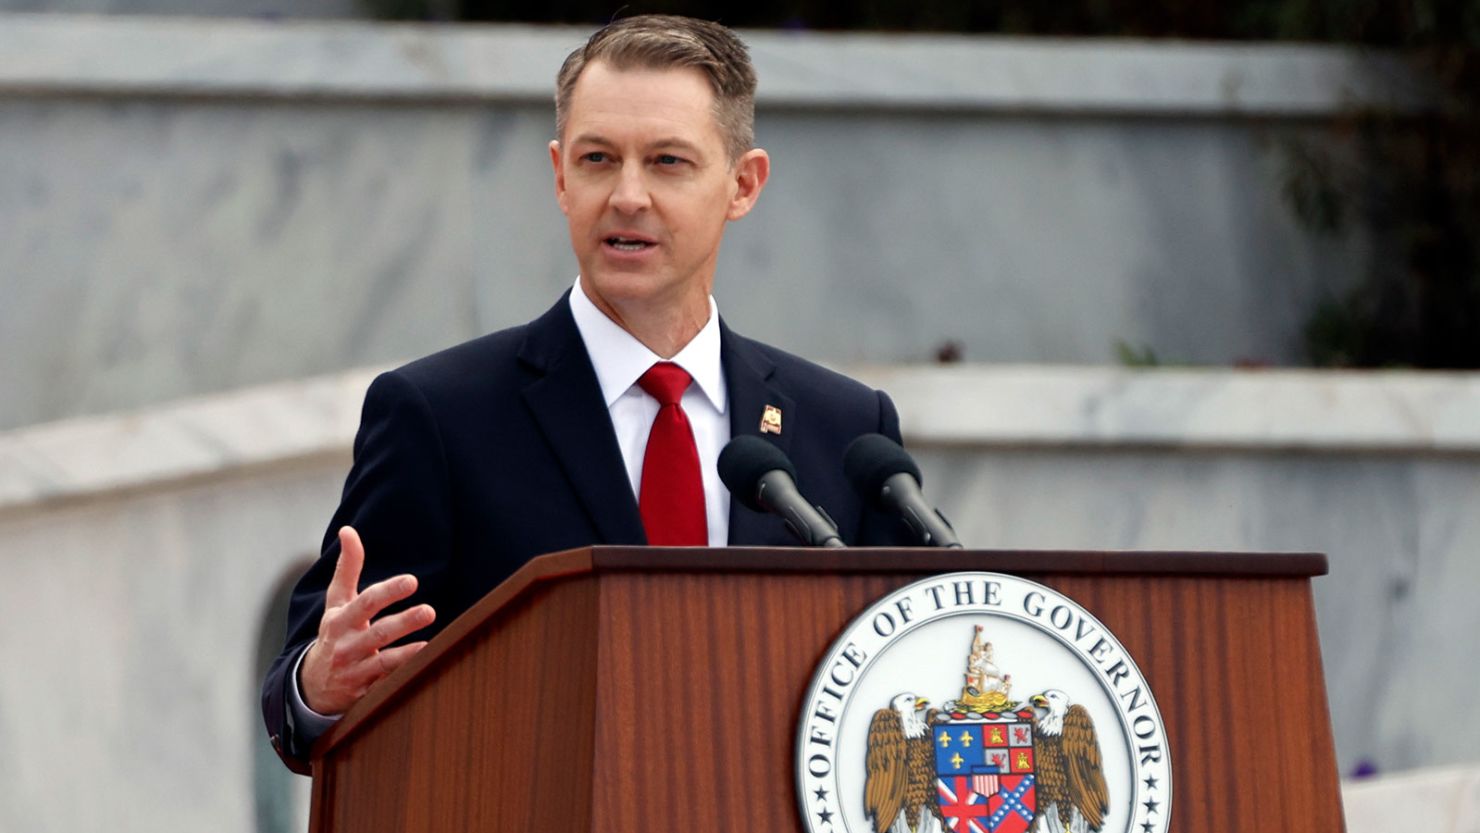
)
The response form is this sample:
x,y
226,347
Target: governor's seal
x,y
981,703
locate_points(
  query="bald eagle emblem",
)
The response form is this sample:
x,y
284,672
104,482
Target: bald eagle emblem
x,y
1071,785
899,792
984,763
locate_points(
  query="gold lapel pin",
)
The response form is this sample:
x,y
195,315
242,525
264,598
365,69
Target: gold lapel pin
x,y
771,420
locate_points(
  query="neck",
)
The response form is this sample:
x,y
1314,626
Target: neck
x,y
914,727
663,327
1051,724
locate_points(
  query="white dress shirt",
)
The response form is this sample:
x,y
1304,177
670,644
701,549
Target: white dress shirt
x,y
620,360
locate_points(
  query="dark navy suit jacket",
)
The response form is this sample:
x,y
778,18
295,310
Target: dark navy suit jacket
x,y
472,461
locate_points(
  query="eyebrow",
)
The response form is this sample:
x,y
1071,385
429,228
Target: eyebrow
x,y
672,142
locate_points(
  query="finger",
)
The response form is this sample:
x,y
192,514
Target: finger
x,y
388,629
346,578
393,658
373,599
370,669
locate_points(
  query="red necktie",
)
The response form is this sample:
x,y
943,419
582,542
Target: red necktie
x,y
672,492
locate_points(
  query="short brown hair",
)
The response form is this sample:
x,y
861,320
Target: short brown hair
x,y
661,41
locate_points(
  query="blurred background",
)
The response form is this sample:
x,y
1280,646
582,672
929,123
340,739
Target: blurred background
x,y
1156,275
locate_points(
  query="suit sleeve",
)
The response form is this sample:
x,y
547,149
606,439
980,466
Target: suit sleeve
x,y
397,498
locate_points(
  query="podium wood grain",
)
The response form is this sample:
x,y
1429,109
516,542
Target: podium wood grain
x,y
622,689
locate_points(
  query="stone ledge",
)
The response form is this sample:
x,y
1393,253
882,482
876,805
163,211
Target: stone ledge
x,y
1439,800
983,406
1270,410
198,437
55,55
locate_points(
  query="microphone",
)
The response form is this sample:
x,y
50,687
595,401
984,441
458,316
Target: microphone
x,y
888,479
759,475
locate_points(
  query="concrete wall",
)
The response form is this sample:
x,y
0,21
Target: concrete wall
x,y
194,206
142,552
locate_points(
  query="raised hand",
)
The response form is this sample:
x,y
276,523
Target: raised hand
x,y
351,653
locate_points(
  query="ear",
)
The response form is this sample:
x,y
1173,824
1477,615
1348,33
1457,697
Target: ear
x,y
559,176
751,171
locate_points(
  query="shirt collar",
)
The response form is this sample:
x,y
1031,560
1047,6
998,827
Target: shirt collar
x,y
620,359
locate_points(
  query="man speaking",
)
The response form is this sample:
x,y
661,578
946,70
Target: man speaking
x,y
599,422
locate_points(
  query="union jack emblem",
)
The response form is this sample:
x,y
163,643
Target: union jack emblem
x,y
966,810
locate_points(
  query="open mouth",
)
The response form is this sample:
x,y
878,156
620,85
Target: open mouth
x,y
628,244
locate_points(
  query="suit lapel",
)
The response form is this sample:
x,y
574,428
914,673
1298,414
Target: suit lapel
x,y
748,378
567,404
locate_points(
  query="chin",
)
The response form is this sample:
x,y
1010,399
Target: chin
x,y
623,282
615,287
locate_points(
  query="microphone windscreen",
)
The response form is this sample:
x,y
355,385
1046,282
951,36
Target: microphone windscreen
x,y
744,461
873,458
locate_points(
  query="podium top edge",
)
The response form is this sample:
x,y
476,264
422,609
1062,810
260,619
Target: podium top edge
x,y
597,560
929,560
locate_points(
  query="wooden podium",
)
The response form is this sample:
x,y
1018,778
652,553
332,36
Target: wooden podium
x,y
624,689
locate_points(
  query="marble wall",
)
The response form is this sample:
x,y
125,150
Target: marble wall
x,y
144,551
131,630
192,206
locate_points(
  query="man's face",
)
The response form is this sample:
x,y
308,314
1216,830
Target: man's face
x,y
645,181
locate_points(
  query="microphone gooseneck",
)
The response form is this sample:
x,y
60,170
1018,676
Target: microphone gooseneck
x,y
887,478
760,476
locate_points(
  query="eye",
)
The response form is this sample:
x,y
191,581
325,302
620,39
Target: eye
x,y
594,156
668,159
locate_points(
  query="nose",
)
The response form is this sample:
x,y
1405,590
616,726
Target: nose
x,y
630,195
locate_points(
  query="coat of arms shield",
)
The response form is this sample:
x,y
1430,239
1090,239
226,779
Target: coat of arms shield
x,y
984,773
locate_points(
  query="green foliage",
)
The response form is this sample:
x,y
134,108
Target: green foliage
x,y
1311,187
1131,355
1418,193
1415,190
